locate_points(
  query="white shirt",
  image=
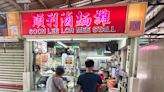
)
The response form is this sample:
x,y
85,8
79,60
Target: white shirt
x,y
52,81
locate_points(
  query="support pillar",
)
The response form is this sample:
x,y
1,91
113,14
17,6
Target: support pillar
x,y
28,83
133,57
133,83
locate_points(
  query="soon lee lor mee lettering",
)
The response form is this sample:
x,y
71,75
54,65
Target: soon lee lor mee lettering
x,y
68,30
69,22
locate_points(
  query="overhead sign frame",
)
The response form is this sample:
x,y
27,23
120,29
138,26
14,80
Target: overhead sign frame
x,y
73,34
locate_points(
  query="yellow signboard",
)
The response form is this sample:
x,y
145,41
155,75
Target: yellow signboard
x,y
136,19
13,24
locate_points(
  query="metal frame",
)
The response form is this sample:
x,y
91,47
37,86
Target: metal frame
x,y
43,4
12,2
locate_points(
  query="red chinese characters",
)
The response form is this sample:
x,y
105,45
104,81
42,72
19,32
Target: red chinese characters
x,y
66,19
102,16
83,19
52,20
38,21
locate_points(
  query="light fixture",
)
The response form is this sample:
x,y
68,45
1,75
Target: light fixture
x,y
83,4
66,39
98,39
86,3
108,57
80,3
62,44
65,6
151,31
23,1
94,1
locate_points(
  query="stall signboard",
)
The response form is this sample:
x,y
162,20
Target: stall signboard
x,y
3,24
92,20
13,24
9,25
136,19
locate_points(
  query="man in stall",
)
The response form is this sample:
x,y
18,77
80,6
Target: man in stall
x,y
89,81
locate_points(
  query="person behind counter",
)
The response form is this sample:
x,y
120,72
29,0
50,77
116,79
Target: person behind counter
x,y
88,81
55,82
101,73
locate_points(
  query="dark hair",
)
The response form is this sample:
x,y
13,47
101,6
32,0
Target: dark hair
x,y
89,63
60,70
37,67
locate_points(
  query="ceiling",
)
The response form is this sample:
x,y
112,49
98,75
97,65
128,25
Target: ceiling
x,y
154,27
12,5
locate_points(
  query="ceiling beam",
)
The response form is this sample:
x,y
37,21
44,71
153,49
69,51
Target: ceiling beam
x,y
69,3
43,4
4,5
12,2
155,21
155,34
